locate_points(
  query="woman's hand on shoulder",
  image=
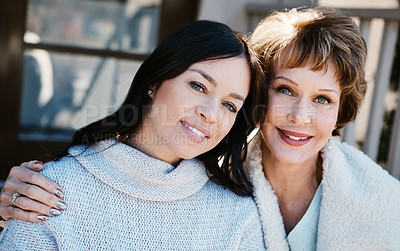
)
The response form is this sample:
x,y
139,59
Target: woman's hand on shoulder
x,y
35,196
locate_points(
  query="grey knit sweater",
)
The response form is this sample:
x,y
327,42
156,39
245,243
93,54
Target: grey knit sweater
x,y
121,199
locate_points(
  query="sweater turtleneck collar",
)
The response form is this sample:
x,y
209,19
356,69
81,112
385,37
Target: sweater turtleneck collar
x,y
133,172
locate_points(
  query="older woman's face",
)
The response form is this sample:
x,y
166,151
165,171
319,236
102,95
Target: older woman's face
x,y
302,113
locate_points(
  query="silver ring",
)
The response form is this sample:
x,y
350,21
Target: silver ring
x,y
14,197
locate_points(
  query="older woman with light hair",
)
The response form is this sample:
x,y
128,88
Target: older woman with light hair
x,y
314,192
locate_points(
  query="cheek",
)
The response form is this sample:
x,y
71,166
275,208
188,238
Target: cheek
x,y
326,122
169,108
225,125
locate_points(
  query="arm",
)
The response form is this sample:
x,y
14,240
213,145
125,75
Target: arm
x,y
40,196
22,235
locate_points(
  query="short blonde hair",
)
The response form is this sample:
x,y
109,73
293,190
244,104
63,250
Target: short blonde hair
x,y
295,38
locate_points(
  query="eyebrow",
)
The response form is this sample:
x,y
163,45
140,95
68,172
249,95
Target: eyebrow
x,y
329,90
291,81
287,79
214,83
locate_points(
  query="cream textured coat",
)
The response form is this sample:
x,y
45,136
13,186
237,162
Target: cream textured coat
x,y
360,207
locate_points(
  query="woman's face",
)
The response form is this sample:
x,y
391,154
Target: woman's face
x,y
191,113
302,113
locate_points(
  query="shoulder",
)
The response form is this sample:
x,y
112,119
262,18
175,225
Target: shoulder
x,y
362,166
65,161
76,158
360,200
64,165
64,170
351,175
353,156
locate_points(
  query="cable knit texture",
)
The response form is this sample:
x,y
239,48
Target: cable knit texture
x,y
360,206
121,199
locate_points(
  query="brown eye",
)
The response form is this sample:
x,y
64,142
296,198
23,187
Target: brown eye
x,y
231,107
197,86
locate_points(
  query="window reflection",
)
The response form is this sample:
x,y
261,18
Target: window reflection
x,y
65,91
126,26
84,89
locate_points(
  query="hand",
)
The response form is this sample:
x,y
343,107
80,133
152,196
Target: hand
x,y
40,196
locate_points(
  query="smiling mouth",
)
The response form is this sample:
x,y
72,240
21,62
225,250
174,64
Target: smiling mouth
x,y
194,130
294,137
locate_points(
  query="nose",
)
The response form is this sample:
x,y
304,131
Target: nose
x,y
301,114
207,113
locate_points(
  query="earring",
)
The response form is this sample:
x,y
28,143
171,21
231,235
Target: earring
x,y
149,92
118,137
329,142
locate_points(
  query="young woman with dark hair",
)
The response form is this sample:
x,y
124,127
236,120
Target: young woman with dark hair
x,y
140,178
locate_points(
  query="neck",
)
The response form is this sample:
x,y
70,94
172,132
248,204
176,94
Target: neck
x,y
286,175
294,185
146,144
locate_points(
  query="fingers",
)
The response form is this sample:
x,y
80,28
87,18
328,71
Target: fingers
x,y
36,194
28,204
41,197
26,175
9,212
34,165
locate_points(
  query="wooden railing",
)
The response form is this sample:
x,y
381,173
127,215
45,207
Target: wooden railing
x,y
391,17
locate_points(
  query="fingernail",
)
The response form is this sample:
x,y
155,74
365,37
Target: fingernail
x,y
39,162
55,211
43,218
61,205
59,193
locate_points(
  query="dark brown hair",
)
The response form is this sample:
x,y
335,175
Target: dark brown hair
x,y
195,42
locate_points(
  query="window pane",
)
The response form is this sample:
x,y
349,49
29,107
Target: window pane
x,y
124,26
63,92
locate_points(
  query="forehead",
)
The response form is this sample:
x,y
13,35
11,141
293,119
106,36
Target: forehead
x,y
297,57
223,63
233,72
307,76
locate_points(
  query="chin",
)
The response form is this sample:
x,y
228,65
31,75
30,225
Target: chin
x,y
290,157
188,154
